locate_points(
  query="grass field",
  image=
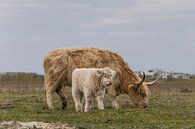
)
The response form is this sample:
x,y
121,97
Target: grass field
x,y
169,108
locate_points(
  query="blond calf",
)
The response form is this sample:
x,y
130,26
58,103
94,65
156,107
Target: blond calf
x,y
89,83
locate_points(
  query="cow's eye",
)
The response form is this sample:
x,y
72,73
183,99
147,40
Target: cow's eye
x,y
143,95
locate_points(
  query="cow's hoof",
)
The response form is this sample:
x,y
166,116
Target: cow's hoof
x,y
64,105
44,107
63,108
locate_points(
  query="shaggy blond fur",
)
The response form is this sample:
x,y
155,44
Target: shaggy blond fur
x,y
59,64
88,83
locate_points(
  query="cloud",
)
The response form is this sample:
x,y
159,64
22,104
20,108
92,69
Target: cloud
x,y
154,11
137,29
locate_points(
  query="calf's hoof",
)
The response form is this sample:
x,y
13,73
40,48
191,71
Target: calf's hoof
x,y
51,108
117,107
100,108
86,110
78,111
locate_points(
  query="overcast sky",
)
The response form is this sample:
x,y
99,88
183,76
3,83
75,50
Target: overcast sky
x,y
147,33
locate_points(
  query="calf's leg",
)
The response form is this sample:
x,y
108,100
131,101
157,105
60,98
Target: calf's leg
x,y
77,97
100,99
88,102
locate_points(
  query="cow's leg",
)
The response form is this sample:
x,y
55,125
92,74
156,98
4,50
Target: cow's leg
x,y
100,100
62,96
113,101
112,97
45,100
50,89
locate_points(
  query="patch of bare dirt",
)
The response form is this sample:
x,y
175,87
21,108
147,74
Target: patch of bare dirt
x,y
33,125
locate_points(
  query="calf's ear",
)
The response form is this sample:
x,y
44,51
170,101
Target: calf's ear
x,y
114,73
99,73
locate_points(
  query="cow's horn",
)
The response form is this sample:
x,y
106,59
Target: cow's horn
x,y
143,78
152,82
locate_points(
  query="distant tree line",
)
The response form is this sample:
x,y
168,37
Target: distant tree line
x,y
20,77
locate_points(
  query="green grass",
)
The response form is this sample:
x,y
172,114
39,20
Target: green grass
x,y
167,110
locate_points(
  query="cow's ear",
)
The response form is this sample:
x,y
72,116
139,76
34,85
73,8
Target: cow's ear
x,y
133,87
99,73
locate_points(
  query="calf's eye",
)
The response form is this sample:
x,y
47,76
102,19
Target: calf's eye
x,y
105,76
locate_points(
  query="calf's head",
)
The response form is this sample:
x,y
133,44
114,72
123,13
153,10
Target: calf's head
x,y
140,93
106,76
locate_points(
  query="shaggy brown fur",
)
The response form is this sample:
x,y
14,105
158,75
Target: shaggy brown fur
x,y
59,64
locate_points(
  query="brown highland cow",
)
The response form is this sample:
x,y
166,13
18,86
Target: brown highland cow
x,y
59,64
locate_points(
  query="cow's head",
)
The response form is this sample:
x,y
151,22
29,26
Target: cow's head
x,y
140,93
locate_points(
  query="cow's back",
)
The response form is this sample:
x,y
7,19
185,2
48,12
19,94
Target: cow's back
x,y
94,58
60,63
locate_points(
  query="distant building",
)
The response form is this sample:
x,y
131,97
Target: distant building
x,y
158,73
186,76
164,75
180,76
153,73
